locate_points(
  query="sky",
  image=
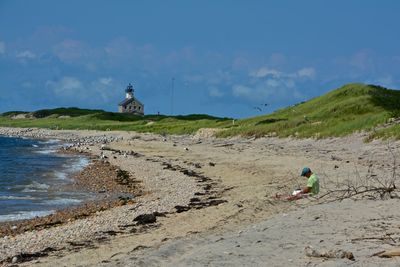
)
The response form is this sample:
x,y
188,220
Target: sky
x,y
224,58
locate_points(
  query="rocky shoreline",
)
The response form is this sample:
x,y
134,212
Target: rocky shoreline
x,y
133,191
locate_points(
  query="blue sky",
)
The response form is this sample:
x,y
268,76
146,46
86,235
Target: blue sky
x,y
228,58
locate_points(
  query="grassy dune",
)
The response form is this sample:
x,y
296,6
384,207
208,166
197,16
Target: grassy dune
x,y
351,108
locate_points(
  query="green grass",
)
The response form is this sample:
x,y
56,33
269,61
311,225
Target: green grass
x,y
72,112
100,120
351,108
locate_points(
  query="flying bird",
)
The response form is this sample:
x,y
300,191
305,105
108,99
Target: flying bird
x,y
258,108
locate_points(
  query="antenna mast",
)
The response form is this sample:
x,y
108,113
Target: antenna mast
x,y
172,96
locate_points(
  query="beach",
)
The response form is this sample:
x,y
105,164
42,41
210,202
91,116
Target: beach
x,y
211,202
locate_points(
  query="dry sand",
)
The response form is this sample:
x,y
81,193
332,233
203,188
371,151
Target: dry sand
x,y
251,228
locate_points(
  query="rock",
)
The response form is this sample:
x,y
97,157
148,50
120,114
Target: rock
x,y
14,260
180,209
146,218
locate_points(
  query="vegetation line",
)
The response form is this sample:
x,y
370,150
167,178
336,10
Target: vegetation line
x,y
351,108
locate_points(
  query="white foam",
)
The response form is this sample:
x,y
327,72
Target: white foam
x,y
46,151
50,141
17,198
35,145
36,187
21,215
80,164
60,175
63,201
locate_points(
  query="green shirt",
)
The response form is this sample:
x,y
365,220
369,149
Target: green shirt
x,y
313,182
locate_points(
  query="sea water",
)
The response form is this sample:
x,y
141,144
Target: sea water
x,y
34,178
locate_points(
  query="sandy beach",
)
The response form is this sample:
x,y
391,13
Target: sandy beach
x,y
211,202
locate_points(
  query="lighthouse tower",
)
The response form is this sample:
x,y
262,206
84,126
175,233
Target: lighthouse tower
x,y
129,91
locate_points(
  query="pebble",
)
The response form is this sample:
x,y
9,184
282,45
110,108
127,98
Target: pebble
x,y
173,189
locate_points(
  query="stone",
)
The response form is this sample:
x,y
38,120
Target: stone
x,y
146,218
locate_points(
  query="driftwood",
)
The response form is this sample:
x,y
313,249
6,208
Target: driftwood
x,y
383,238
223,145
388,253
371,186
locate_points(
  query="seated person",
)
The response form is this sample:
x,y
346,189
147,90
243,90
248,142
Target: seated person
x,y
311,189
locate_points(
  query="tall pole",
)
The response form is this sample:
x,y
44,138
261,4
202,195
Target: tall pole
x,y
172,96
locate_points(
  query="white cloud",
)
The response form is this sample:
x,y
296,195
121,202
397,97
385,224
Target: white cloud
x,y
306,73
105,81
270,90
2,48
215,92
103,89
272,82
385,81
67,86
289,83
26,55
242,91
362,60
70,50
257,93
263,72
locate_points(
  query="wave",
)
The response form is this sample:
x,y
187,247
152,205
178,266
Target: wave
x,y
79,164
46,151
50,141
60,175
74,165
17,198
36,187
63,201
21,215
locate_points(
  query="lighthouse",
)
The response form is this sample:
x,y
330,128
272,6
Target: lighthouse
x,y
129,91
131,104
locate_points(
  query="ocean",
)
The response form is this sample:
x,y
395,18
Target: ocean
x,y
34,178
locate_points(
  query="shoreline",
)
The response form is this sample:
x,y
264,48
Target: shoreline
x,y
121,195
210,201
111,195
